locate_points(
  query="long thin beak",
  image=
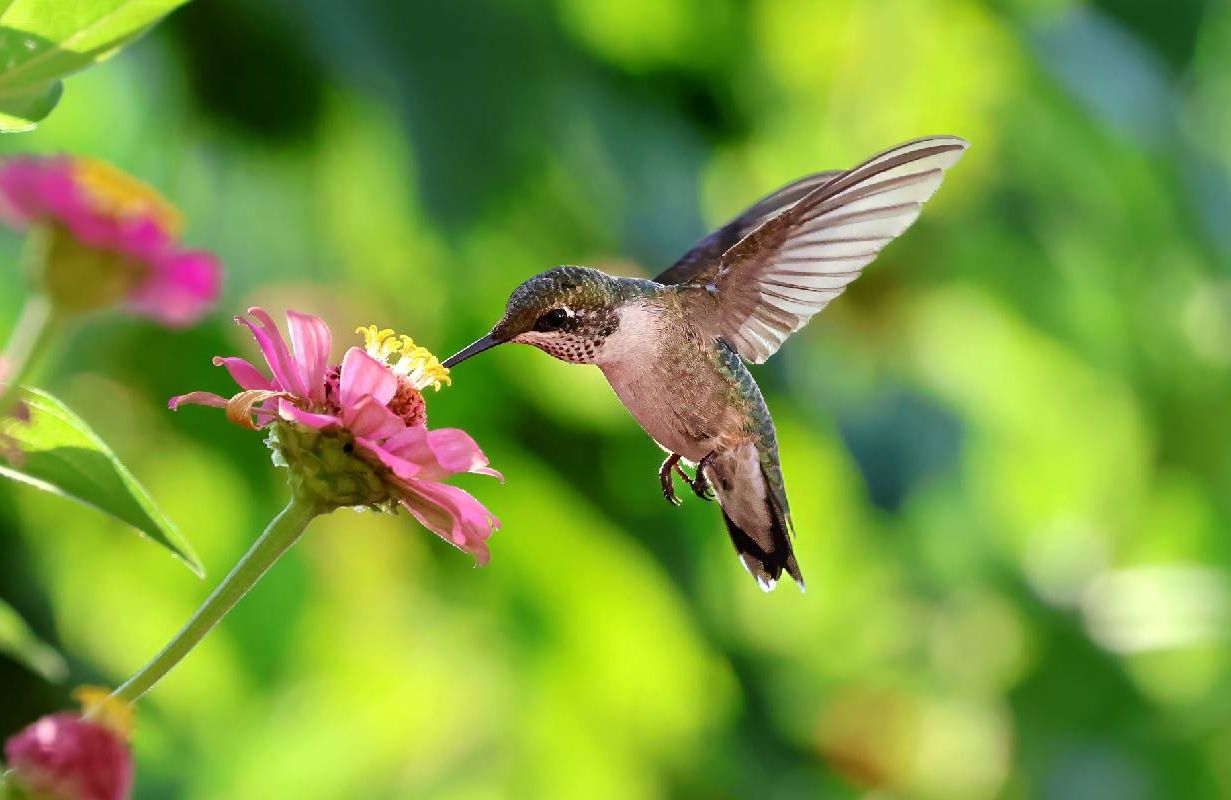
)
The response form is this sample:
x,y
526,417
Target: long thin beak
x,y
486,343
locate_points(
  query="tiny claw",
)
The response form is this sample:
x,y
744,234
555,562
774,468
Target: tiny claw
x,y
701,487
666,478
701,484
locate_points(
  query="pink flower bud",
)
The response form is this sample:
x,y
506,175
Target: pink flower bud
x,y
65,757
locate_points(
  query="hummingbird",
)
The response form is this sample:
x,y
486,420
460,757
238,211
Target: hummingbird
x,y
674,348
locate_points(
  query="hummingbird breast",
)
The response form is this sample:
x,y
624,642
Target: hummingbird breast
x,y
668,377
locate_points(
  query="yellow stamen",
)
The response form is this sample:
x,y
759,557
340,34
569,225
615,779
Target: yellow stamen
x,y
120,195
417,363
98,705
379,342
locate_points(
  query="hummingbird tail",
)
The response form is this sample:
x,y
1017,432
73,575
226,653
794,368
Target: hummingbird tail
x,y
756,520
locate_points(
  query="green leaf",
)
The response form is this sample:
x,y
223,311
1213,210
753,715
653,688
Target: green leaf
x,y
23,644
59,453
42,41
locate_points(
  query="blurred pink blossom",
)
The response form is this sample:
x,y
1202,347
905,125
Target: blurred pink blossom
x,y
373,402
93,208
65,757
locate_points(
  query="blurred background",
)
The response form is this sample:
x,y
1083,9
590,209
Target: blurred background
x,y
1005,445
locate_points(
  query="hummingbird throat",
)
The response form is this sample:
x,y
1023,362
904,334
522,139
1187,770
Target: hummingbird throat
x,y
581,341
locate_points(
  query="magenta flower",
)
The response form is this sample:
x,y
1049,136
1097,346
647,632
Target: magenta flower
x,y
357,431
112,239
67,757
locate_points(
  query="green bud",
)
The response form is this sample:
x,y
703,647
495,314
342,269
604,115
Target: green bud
x,y
323,466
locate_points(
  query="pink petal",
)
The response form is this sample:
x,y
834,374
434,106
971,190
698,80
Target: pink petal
x,y
179,287
364,375
290,411
246,375
66,202
371,419
35,188
456,452
20,201
440,453
400,466
197,399
452,514
311,341
142,238
274,349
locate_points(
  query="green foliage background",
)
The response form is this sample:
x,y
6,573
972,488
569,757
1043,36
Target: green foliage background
x,y
1006,445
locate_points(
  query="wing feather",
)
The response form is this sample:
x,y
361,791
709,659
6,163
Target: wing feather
x,y
785,270
709,250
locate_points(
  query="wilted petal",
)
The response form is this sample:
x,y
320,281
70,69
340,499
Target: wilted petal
x,y
371,419
243,373
242,407
311,341
197,399
452,514
364,375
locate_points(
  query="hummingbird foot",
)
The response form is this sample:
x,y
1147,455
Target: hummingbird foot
x,y
701,484
665,476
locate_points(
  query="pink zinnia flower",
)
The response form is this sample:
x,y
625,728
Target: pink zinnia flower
x,y
112,239
65,756
358,430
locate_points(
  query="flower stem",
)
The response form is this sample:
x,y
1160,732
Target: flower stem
x,y
34,331
283,531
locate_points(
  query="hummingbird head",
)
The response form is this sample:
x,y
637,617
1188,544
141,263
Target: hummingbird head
x,y
567,312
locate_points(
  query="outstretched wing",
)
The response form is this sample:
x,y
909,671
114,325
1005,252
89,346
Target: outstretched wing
x,y
705,253
770,283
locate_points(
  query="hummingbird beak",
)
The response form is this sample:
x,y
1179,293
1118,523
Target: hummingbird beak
x,y
486,343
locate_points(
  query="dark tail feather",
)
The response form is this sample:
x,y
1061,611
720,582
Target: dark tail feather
x,y
766,565
757,526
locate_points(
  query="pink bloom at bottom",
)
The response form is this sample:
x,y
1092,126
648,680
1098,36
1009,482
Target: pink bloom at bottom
x,y
65,757
369,407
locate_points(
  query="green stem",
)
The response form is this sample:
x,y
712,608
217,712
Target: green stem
x,y
283,531
34,332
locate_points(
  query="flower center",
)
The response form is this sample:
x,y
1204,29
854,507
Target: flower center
x,y
408,404
411,363
122,196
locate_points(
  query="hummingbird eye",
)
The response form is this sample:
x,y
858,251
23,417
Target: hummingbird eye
x,y
551,320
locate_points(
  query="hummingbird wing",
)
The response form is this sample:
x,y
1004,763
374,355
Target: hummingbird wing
x,y
705,253
770,283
